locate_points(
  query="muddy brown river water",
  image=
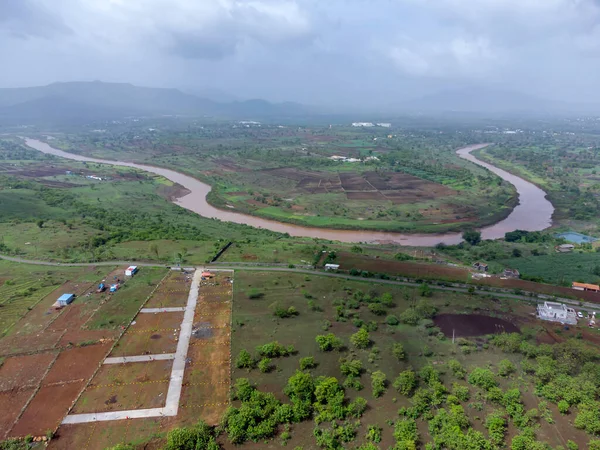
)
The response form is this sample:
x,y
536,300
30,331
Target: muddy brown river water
x,y
533,213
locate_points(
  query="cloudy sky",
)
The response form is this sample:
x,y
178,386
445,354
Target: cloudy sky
x,y
313,51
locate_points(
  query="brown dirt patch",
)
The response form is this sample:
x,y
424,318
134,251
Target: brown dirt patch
x,y
146,343
365,196
16,344
156,321
472,325
24,371
11,403
126,386
47,409
249,257
76,363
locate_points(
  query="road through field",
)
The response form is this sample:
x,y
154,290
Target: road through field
x,y
533,213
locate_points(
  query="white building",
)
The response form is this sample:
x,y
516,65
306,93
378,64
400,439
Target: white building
x,y
332,266
384,125
557,312
362,124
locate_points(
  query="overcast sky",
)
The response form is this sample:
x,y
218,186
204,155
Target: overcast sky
x,y
313,51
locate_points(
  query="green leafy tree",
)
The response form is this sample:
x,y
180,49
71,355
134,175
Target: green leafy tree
x,y
378,383
374,433
505,368
264,365
361,339
473,237
457,368
307,363
406,382
328,342
398,351
563,407
245,360
351,367
484,378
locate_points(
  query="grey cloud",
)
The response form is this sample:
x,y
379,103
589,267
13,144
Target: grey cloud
x,y
30,18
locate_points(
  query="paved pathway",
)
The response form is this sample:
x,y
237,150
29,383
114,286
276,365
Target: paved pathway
x,y
176,381
140,358
159,310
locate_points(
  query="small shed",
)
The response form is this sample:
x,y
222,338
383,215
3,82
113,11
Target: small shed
x,y
480,266
65,299
131,271
332,266
207,275
565,248
585,287
511,273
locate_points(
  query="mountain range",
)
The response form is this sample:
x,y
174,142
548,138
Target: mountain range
x,y
74,101
85,101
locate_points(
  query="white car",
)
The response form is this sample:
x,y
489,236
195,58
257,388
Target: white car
x,y
580,314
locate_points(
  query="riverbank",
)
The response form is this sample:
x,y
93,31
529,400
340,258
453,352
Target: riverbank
x,y
533,213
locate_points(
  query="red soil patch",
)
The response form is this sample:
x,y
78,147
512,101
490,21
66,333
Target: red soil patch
x,y
16,344
247,257
47,409
24,371
472,325
365,196
11,403
76,364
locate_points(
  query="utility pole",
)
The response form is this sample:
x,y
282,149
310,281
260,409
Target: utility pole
x,y
453,335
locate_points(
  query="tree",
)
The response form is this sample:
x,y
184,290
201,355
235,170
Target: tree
x,y
378,383
245,360
374,433
307,363
361,339
40,223
398,351
505,368
392,320
377,309
406,382
517,253
457,369
351,367
484,378
473,237
328,342
425,290
264,365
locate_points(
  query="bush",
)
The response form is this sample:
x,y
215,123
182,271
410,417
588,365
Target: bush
x,y
374,433
245,360
255,294
264,365
425,290
505,368
392,320
192,438
351,367
378,383
377,309
328,342
410,317
361,339
496,426
283,313
398,351
406,382
484,378
457,369
274,350
563,407
461,392
406,434
307,363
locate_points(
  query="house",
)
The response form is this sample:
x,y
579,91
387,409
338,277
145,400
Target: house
x,y
557,312
332,266
64,300
131,271
480,266
511,273
585,287
565,248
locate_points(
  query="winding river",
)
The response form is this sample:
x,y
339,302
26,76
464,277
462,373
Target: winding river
x,y
533,213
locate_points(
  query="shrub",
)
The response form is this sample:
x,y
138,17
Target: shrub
x,y
457,369
357,407
274,350
245,360
374,433
406,434
255,294
307,363
190,438
461,392
361,339
505,368
283,313
496,426
328,342
398,351
378,383
563,407
484,378
351,367
392,320
406,382
377,309
410,317
264,365
425,290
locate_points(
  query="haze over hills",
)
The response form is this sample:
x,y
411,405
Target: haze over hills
x,y
84,101
97,100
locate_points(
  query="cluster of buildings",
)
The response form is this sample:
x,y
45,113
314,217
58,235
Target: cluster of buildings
x,y
557,312
371,124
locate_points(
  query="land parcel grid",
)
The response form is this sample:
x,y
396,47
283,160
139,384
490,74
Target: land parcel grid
x,y
206,380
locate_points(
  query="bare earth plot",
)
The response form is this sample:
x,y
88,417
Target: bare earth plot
x,y
133,396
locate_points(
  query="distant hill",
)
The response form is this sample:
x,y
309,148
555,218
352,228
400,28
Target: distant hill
x,y
489,100
98,100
